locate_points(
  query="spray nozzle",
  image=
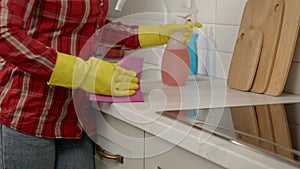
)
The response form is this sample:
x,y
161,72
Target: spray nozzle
x,y
195,24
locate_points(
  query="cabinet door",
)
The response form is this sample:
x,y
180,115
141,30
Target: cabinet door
x,y
101,163
117,137
172,156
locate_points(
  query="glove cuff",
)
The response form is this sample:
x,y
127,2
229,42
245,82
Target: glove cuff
x,y
64,71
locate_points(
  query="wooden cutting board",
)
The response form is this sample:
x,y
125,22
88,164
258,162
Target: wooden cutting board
x,y
244,120
268,17
281,129
286,48
265,127
245,59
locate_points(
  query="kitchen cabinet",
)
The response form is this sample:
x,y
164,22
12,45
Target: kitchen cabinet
x,y
161,154
118,138
204,94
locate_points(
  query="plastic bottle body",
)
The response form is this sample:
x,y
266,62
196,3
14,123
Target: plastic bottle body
x,y
192,48
175,63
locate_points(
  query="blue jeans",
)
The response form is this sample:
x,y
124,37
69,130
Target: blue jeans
x,y
21,151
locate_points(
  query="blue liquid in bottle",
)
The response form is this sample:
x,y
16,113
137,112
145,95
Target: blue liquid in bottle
x,y
193,52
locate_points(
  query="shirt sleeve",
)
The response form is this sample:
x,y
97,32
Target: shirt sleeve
x,y
116,33
17,47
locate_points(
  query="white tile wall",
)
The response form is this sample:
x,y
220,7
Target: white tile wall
x,y
137,12
224,16
206,11
221,17
297,51
223,68
226,36
140,6
229,12
293,80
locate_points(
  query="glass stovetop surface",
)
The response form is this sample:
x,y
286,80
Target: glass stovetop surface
x,y
270,129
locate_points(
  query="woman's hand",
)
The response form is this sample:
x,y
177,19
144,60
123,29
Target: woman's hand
x,y
154,35
94,76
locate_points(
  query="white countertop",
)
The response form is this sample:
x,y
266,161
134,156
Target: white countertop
x,y
203,93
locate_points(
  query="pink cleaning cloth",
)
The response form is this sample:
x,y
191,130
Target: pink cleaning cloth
x,y
130,63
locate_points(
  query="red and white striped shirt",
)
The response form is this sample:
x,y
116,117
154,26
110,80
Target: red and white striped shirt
x,y
31,33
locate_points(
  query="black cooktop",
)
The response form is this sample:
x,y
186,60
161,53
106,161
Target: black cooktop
x,y
270,129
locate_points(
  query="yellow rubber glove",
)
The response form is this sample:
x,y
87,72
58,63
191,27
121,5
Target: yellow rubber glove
x,y
94,75
155,35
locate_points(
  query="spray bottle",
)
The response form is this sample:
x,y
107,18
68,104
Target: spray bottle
x,y
176,61
193,45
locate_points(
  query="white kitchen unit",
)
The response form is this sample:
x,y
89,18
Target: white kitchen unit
x,y
153,144
179,140
118,155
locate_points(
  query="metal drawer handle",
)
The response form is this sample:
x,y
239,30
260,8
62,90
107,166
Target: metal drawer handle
x,y
116,157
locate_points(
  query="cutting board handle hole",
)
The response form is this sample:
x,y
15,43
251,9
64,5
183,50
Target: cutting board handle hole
x,y
277,7
242,35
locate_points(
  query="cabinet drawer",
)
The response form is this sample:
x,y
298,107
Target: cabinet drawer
x,y
117,137
129,163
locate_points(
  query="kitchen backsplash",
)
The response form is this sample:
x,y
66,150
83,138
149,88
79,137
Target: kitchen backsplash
x,y
223,17
220,19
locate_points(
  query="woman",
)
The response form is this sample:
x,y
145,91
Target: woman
x,y
39,42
